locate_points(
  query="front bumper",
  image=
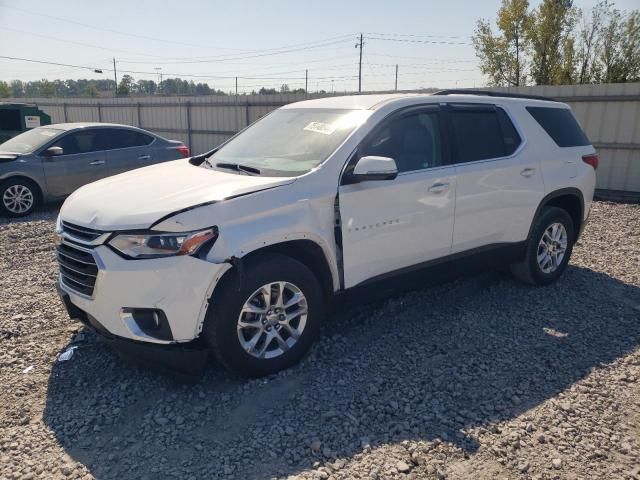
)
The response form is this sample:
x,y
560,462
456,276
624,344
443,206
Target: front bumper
x,y
178,286
185,361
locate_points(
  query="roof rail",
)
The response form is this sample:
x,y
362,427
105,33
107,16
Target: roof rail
x,y
488,93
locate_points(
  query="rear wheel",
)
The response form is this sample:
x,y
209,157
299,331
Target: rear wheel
x,y
270,322
18,197
549,248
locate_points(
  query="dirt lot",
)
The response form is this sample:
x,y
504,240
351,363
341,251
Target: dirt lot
x,y
479,378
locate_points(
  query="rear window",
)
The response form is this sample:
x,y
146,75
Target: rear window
x,y
561,126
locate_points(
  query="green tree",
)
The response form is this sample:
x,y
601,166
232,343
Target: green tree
x,y
147,87
618,59
90,90
549,33
589,41
5,91
46,88
17,88
502,55
127,85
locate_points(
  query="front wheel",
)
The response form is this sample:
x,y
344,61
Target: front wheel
x,y
18,197
549,248
268,323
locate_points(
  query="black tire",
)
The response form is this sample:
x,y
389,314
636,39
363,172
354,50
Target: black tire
x,y
220,328
22,183
529,271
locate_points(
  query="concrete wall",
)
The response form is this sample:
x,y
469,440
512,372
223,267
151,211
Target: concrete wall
x,y
610,114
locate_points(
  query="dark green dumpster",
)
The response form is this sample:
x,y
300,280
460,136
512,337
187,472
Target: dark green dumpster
x,y
16,118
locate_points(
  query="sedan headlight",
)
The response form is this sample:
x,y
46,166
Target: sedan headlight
x,y
155,245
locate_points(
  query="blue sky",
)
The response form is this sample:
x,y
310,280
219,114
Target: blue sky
x,y
248,38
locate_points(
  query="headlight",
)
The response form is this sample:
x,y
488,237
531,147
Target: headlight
x,y
155,245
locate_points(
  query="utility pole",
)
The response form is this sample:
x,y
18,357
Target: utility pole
x,y
236,89
359,45
396,77
115,74
306,81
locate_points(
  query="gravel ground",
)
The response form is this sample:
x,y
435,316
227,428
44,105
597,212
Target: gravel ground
x,y
478,378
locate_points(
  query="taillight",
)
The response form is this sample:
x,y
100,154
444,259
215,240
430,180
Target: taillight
x,y
184,150
591,160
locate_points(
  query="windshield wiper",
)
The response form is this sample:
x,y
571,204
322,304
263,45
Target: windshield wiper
x,y
239,168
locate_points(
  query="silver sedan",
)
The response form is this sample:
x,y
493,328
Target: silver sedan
x,y
48,163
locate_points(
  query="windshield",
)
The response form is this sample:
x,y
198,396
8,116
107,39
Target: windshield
x,y
288,142
30,140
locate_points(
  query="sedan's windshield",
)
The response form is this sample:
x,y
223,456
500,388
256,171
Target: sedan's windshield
x,y
30,140
287,142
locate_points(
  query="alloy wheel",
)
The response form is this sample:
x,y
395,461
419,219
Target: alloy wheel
x,y
272,320
18,199
552,248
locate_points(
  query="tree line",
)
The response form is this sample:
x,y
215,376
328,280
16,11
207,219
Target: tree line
x,y
558,44
126,87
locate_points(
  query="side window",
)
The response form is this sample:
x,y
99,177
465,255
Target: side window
x,y
83,141
143,139
476,133
122,138
560,125
412,140
510,135
482,133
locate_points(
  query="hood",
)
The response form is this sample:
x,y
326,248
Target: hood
x,y
137,199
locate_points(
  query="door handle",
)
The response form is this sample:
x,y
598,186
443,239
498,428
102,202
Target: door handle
x,y
97,162
144,157
528,172
439,187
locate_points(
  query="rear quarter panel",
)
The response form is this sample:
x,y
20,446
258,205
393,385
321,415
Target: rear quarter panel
x,y
562,167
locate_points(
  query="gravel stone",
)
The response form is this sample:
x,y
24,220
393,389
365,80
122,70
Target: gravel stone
x,y
479,378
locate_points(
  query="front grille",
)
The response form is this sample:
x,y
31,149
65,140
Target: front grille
x,y
78,268
81,233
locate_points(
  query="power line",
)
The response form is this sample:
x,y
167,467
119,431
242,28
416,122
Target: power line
x,y
82,44
207,58
413,35
203,76
163,40
391,55
241,57
411,40
86,25
83,67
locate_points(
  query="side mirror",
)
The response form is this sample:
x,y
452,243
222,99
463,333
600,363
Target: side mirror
x,y
52,152
373,168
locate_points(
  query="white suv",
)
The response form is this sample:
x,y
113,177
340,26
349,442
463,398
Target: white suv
x,y
247,245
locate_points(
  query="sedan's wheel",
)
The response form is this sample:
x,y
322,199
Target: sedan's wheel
x,y
268,319
19,198
549,248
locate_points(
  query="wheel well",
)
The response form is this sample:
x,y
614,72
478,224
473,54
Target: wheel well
x,y
306,252
38,190
572,205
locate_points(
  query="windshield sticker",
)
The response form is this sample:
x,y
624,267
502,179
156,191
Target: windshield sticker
x,y
319,127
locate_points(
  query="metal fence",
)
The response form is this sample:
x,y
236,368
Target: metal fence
x,y
610,115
